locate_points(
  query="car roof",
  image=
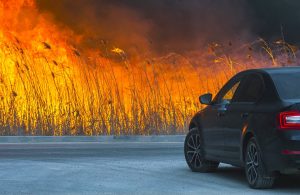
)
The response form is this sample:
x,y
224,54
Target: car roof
x,y
291,69
272,71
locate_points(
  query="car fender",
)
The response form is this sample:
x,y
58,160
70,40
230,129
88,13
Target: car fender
x,y
196,121
247,133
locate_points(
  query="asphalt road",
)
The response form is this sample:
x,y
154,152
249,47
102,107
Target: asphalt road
x,y
117,168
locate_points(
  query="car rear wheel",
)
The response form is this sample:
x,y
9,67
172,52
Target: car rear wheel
x,y
256,173
193,151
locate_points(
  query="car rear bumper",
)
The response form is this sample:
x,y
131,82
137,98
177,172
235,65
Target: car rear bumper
x,y
283,153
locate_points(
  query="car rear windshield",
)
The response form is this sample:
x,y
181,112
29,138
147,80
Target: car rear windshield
x,y
288,85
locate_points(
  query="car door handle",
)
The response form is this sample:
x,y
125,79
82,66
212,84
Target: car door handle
x,y
245,115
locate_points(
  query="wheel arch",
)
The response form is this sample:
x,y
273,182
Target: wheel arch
x,y
195,122
192,125
246,139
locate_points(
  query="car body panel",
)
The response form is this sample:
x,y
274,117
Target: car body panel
x,y
225,127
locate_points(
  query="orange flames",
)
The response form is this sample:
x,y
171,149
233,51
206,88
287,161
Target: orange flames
x,y
49,87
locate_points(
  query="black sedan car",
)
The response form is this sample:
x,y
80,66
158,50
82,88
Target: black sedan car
x,y
253,122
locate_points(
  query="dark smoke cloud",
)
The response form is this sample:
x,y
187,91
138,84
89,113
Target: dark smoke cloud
x,y
158,25
276,18
161,26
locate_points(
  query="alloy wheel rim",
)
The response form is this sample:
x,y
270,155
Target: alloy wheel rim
x,y
194,150
252,164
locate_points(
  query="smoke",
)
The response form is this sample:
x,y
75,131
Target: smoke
x,y
276,18
152,26
162,26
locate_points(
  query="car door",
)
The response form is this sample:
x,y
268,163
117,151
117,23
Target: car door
x,y
213,122
212,132
237,114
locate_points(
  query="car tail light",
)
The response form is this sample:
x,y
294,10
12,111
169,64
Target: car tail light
x,y
290,152
289,120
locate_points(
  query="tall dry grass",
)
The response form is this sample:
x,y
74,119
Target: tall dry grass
x,y
48,90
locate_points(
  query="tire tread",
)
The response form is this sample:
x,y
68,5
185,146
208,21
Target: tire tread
x,y
264,180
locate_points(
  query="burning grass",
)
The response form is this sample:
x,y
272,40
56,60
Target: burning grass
x,y
47,87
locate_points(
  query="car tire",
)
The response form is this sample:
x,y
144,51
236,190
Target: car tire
x,y
194,154
256,173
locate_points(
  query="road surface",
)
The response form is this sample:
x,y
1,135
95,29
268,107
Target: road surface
x,y
117,168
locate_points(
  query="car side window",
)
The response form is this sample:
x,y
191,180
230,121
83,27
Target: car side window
x,y
251,89
228,96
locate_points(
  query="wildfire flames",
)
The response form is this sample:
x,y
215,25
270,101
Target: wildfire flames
x,y
51,86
